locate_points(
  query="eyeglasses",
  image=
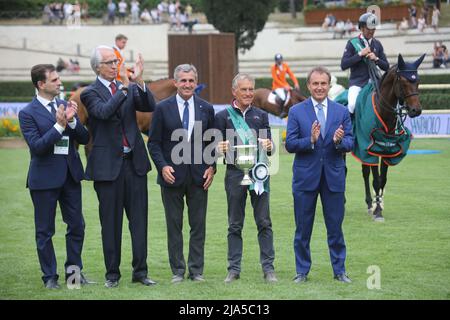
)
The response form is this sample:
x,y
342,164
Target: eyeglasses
x,y
111,62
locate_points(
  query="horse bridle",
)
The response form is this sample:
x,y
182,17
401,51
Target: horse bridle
x,y
401,108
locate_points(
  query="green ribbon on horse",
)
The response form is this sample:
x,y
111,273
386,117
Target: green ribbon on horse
x,y
371,139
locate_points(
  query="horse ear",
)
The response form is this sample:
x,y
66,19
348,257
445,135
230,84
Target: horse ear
x,y
419,61
401,62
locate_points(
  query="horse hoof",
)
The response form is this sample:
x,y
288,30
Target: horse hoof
x,y
378,219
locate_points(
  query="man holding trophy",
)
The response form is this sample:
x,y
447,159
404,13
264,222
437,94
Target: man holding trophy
x,y
247,142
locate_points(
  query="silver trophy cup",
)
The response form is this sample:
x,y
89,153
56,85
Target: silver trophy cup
x,y
245,160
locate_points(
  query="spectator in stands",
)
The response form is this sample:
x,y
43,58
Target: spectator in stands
x,y
85,12
421,23
440,56
188,11
154,13
68,10
111,12
326,22
122,11
134,12
403,25
435,18
339,29
413,16
76,14
145,16
47,15
349,27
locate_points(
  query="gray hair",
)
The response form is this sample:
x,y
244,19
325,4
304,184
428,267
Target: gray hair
x,y
184,68
96,57
320,70
240,77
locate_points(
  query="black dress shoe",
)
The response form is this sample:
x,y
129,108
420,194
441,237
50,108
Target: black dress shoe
x,y
145,281
112,283
52,284
300,278
343,278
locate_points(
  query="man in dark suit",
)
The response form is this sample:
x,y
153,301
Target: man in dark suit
x,y
118,163
177,147
319,132
359,53
55,171
241,116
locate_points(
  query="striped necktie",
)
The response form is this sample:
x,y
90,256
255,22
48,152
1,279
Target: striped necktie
x,y
321,118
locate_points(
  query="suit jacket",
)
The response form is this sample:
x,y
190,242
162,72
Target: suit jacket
x,y
255,118
48,170
359,71
108,116
325,157
166,119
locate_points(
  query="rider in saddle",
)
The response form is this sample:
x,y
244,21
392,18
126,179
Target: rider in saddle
x,y
357,54
280,86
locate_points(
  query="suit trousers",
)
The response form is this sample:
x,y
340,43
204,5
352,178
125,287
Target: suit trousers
x,y
333,211
45,202
129,192
197,201
236,199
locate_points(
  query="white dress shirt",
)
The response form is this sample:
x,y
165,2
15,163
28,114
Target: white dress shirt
x,y
180,103
57,126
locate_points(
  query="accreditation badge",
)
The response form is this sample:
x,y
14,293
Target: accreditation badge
x,y
62,146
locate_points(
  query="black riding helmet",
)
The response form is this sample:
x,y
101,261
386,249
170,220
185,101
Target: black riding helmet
x,y
278,57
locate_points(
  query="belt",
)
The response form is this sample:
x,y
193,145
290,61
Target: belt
x,y
127,155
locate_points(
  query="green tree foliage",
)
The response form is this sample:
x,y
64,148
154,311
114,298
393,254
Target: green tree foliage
x,y
243,18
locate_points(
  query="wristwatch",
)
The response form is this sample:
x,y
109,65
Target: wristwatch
x,y
124,89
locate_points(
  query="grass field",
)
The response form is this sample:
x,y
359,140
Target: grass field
x,y
412,247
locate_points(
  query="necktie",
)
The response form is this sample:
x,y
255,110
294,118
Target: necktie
x,y
321,118
125,143
52,108
186,116
113,87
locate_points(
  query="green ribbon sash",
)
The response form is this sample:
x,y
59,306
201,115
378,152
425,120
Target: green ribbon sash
x,y
248,138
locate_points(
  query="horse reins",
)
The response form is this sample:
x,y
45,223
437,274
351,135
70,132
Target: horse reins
x,y
401,109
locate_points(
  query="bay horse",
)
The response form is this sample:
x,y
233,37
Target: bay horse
x,y
379,147
161,89
261,101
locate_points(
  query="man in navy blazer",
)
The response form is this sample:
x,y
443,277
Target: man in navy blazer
x,y
50,128
358,53
118,163
179,149
319,132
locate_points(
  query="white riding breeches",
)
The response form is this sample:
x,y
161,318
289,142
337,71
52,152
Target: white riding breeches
x,y
353,92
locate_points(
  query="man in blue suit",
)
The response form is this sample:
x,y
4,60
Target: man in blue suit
x,y
50,128
177,146
118,163
319,132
